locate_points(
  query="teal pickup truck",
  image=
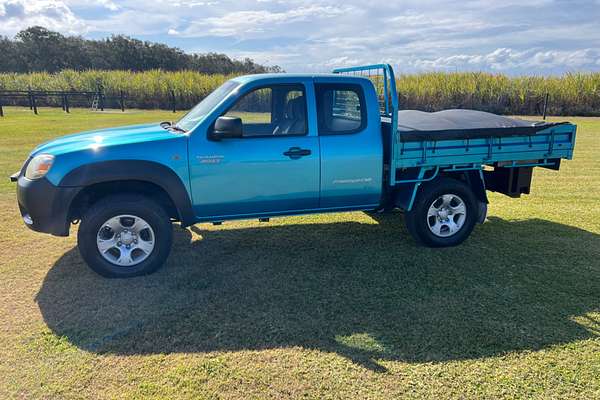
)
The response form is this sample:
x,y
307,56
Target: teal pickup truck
x,y
271,145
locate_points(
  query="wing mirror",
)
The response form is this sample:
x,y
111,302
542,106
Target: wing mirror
x,y
226,128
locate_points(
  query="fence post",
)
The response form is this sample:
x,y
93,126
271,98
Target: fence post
x,y
67,103
122,101
174,106
1,111
546,105
101,93
62,102
35,111
29,98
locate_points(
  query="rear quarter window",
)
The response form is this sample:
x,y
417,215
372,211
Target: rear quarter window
x,y
340,109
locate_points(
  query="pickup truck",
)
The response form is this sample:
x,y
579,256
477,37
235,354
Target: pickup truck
x,y
271,145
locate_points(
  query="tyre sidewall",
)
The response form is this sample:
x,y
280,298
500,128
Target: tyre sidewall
x,y
417,217
110,207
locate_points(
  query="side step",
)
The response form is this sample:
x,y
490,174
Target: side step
x,y
217,223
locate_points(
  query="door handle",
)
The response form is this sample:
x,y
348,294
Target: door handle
x,y
296,152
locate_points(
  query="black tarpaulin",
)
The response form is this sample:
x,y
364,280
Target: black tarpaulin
x,y
416,125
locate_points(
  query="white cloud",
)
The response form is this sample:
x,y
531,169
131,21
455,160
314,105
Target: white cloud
x,y
16,15
244,23
193,3
108,4
505,59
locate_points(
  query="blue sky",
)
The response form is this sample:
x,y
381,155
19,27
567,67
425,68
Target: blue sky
x,y
509,36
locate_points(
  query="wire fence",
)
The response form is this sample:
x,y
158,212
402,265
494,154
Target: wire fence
x,y
99,100
95,100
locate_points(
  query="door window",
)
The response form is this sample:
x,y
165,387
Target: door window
x,y
340,109
272,111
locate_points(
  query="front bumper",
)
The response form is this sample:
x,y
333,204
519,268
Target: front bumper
x,y
44,206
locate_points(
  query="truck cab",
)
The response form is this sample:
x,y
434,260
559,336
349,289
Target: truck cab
x,y
287,144
271,145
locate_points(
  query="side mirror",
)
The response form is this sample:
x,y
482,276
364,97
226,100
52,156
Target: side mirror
x,y
226,128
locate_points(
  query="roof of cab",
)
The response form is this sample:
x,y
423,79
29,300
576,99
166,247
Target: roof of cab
x,y
288,76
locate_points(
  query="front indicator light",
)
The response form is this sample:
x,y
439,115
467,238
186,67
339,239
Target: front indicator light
x,y
39,166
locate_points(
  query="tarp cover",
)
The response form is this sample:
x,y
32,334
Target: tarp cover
x,y
416,125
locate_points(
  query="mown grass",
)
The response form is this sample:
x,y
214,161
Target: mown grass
x,y
323,306
570,94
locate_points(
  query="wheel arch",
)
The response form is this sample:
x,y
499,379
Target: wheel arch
x,y
97,180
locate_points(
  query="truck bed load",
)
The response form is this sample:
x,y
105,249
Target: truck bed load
x,y
416,125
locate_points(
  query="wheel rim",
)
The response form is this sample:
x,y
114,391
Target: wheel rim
x,y
446,215
125,240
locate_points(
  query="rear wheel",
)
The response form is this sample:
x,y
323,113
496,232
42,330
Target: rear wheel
x,y
444,213
124,236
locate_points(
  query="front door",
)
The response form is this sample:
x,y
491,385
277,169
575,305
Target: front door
x,y
273,168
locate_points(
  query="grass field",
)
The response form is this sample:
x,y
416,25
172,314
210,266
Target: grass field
x,y
324,306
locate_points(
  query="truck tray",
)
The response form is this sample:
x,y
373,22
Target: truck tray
x,y
455,137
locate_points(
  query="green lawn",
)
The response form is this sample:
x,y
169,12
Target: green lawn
x,y
323,306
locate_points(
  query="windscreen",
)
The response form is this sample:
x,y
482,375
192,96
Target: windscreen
x,y
191,119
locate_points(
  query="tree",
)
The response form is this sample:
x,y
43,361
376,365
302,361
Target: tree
x,y
39,49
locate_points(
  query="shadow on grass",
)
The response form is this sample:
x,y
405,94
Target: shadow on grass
x,y
364,291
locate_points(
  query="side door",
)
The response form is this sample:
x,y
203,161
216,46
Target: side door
x,y
351,145
272,169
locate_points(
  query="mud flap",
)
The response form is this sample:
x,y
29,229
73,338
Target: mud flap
x,y
482,212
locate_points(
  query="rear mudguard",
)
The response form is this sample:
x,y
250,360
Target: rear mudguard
x,y
406,193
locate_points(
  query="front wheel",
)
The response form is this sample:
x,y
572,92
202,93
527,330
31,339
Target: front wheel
x,y
444,213
125,235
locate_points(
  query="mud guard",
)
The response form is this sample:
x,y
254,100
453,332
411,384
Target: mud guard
x,y
405,194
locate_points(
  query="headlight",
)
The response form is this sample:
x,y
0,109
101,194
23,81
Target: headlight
x,y
39,166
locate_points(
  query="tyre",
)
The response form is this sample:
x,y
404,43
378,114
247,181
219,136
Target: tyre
x,y
125,235
444,213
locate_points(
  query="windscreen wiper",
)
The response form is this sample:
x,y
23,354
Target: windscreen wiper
x,y
176,128
169,125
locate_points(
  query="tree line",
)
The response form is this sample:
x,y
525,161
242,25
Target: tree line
x,y
38,49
